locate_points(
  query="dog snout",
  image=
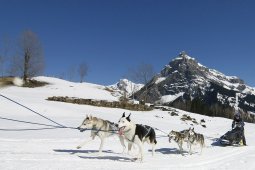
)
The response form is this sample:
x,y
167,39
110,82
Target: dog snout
x,y
81,129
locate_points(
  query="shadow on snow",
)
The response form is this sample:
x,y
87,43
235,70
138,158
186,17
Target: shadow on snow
x,y
74,151
169,151
113,158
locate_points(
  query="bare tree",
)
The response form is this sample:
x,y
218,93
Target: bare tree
x,y
142,74
83,71
30,60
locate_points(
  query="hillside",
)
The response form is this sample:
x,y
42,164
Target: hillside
x,y
56,149
186,84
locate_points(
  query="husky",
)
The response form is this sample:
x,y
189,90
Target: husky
x,y
195,138
102,129
179,138
136,134
10,81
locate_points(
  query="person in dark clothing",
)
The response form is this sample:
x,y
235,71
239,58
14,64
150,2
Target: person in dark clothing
x,y
238,121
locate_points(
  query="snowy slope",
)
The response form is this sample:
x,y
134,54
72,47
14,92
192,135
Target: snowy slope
x,y
56,149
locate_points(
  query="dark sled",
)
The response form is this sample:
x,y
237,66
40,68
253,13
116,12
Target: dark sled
x,y
232,137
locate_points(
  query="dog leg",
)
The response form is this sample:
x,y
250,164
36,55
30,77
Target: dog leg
x,y
140,146
129,148
153,148
122,143
101,146
190,149
181,149
201,147
141,152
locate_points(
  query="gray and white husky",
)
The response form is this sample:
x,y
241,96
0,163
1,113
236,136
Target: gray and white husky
x,y
195,138
137,134
101,128
179,138
9,81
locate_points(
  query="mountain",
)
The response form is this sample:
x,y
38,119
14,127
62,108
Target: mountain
x,y
124,87
186,84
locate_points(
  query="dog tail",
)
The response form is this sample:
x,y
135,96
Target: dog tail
x,y
8,81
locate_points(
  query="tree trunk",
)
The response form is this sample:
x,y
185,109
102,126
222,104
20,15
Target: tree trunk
x,y
26,66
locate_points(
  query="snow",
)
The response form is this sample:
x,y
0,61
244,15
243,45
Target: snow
x,y
200,65
180,57
124,86
160,79
60,87
170,98
56,149
17,81
225,80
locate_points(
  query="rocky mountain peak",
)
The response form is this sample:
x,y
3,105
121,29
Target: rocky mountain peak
x,y
183,64
185,79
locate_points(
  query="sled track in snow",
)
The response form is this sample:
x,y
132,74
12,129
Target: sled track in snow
x,y
217,160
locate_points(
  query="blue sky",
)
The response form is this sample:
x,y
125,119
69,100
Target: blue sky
x,y
114,35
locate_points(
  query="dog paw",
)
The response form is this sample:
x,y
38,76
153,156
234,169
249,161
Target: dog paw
x,y
138,159
99,154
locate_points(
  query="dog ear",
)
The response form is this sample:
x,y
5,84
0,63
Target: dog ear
x,y
123,115
128,118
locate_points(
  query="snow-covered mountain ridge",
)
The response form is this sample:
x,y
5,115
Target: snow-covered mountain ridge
x,y
124,87
185,79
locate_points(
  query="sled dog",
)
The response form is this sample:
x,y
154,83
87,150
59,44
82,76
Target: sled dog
x,y
10,81
179,138
195,138
101,128
137,134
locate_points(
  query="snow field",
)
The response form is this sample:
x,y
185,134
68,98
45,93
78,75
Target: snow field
x,y
56,149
